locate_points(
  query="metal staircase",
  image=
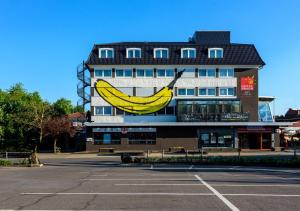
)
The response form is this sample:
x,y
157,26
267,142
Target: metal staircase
x,y
84,82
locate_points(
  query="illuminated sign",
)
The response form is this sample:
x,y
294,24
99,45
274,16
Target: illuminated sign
x,y
247,83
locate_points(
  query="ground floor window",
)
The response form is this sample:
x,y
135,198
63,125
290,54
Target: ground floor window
x,y
142,138
107,138
216,139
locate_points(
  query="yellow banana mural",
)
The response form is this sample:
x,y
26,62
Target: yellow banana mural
x,y
136,104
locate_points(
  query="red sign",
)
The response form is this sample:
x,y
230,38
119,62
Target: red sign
x,y
247,83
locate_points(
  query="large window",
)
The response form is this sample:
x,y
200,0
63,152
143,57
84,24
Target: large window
x,y
216,139
226,72
103,110
161,53
207,92
146,138
169,110
210,110
188,53
107,138
264,111
226,91
215,53
144,73
124,73
133,53
106,53
207,72
186,92
165,73
103,73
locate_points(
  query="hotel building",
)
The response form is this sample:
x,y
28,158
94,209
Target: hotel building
x,y
215,102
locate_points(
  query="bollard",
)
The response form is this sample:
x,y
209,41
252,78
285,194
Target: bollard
x,y
162,154
6,155
147,155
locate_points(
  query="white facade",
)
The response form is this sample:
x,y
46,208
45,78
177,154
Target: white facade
x,y
126,84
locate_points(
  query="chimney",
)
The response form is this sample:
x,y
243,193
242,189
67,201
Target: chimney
x,y
211,37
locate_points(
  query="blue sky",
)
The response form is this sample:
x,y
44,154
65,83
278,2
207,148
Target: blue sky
x,y
41,42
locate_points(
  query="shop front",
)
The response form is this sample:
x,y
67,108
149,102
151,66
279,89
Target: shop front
x,y
256,138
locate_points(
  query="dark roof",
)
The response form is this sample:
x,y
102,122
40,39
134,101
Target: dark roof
x,y
233,54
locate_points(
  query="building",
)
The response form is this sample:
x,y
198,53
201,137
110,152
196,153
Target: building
x,y
292,115
210,95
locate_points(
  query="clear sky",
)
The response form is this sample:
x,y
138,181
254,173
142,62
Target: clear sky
x,y
42,41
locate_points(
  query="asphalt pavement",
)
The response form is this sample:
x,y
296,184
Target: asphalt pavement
x,y
105,184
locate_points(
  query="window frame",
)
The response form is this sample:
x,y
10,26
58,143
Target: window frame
x,y
134,49
106,53
102,76
165,75
227,75
206,73
186,93
206,91
160,49
145,76
188,49
102,113
123,76
233,95
215,49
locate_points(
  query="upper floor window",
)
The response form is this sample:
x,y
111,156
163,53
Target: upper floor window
x,y
186,92
207,92
106,53
188,53
103,110
215,53
161,53
226,72
227,91
144,73
133,53
165,73
124,73
188,73
207,73
103,73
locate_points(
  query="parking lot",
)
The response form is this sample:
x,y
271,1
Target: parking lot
x,y
104,183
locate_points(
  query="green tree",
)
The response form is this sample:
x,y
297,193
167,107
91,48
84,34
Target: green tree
x,y
78,109
62,107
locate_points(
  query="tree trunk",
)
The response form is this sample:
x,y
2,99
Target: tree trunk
x,y
54,145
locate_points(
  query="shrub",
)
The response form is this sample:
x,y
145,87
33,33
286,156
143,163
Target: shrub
x,y
5,163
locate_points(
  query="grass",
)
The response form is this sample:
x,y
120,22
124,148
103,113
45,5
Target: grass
x,y
21,163
282,161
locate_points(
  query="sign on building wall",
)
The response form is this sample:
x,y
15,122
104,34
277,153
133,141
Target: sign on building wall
x,y
247,85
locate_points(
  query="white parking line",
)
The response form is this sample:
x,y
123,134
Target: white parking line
x,y
140,179
133,194
161,184
261,194
214,185
99,175
220,196
229,168
167,194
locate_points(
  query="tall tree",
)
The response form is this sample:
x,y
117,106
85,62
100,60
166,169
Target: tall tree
x,y
58,126
62,107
